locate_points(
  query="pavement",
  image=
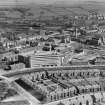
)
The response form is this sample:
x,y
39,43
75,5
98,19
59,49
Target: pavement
x,y
14,98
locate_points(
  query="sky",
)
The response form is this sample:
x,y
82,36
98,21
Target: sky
x,y
12,2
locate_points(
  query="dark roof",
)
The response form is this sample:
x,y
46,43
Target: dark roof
x,y
60,103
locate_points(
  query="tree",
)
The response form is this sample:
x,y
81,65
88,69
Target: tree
x,y
1,45
41,15
23,11
3,89
33,44
83,32
30,14
65,17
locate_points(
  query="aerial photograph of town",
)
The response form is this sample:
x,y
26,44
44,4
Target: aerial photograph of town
x,y
52,52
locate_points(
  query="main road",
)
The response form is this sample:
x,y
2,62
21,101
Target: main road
x,y
41,69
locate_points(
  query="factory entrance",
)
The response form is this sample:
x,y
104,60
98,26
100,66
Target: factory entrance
x,y
80,103
93,98
87,102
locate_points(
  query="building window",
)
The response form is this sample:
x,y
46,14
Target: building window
x,y
83,74
88,74
80,74
75,92
51,98
64,95
91,90
71,94
54,97
86,90
73,74
53,75
97,89
68,94
83,91
57,96
61,95
101,89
